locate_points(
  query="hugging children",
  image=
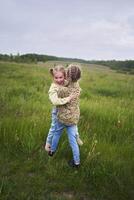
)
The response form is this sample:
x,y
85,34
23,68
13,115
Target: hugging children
x,y
64,94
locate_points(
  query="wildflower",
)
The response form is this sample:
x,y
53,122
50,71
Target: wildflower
x,y
96,141
118,123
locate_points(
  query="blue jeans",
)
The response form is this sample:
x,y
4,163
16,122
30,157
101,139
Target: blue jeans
x,y
71,132
53,126
55,133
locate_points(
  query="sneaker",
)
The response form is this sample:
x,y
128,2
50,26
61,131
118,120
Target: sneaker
x,y
51,153
72,164
79,141
47,147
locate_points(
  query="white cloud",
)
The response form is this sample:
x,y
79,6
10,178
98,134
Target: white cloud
x,y
81,28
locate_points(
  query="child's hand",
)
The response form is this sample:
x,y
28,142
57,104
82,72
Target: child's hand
x,y
72,96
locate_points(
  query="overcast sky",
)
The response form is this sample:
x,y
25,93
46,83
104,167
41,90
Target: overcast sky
x,y
88,29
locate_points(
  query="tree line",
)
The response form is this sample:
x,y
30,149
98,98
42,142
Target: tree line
x,y
126,66
35,58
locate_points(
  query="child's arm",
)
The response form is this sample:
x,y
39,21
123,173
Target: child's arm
x,y
75,89
55,100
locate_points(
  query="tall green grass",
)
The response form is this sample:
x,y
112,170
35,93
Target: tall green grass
x,y
106,127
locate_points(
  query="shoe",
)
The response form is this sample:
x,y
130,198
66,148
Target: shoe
x,y
79,141
47,147
72,164
51,153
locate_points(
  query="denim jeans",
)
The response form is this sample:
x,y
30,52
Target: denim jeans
x,y
71,132
53,126
55,133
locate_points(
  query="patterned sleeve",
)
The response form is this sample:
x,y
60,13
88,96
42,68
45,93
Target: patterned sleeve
x,y
77,90
53,96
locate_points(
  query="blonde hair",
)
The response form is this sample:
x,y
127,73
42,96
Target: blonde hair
x,y
74,72
58,68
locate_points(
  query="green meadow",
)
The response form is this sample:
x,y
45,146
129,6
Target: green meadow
x,y
106,127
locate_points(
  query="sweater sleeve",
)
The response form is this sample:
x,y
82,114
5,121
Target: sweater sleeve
x,y
53,96
76,89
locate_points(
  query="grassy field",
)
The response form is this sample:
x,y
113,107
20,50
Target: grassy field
x,y
106,126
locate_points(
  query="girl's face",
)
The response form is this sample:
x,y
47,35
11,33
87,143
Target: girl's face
x,y
59,78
